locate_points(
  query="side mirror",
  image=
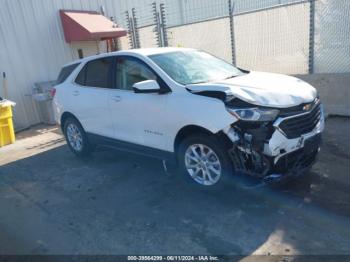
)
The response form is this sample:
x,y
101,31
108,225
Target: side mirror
x,y
146,87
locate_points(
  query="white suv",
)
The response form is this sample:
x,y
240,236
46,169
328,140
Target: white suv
x,y
187,106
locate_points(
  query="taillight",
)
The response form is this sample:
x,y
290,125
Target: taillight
x,y
53,92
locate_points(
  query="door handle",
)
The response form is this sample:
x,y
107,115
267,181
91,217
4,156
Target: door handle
x,y
76,93
116,98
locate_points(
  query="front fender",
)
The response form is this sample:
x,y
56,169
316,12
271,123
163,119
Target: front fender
x,y
190,109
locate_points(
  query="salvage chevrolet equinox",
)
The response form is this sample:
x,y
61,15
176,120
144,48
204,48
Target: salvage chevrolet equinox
x,y
209,117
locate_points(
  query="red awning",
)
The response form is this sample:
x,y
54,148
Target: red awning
x,y
88,25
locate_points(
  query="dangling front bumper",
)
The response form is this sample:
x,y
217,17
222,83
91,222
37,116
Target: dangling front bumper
x,y
286,154
296,163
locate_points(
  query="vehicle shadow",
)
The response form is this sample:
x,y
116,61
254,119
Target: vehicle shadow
x,y
118,203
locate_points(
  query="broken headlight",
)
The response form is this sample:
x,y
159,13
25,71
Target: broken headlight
x,y
254,114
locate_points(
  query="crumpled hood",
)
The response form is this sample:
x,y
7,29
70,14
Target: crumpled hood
x,y
264,89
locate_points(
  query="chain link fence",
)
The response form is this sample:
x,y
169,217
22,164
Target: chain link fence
x,y
332,36
282,36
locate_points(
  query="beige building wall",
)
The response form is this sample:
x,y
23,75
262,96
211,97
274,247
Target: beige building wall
x,y
275,40
148,37
211,36
89,48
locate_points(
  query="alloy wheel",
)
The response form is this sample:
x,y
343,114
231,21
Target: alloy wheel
x,y
75,137
202,164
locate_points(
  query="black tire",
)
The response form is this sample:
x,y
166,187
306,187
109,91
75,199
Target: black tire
x,y
86,147
221,151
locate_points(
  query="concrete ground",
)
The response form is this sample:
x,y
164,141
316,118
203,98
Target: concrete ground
x,y
116,203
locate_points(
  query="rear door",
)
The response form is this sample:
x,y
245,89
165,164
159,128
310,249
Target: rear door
x,y
90,95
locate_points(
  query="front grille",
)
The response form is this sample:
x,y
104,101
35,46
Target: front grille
x,y
296,126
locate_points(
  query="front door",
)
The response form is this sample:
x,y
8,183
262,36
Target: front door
x,y
137,117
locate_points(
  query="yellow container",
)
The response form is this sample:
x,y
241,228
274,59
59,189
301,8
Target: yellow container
x,y
7,132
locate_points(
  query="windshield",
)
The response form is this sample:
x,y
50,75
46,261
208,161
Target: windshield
x,y
194,67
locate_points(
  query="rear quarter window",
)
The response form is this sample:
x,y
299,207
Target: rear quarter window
x,y
96,73
65,72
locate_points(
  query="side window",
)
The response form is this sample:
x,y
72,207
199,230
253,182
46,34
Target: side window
x,y
65,72
130,71
96,73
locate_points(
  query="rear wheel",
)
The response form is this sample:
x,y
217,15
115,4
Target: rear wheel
x,y
76,138
204,161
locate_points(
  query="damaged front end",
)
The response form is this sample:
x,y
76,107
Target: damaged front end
x,y
277,147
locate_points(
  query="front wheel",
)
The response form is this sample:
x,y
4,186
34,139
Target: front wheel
x,y
204,161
